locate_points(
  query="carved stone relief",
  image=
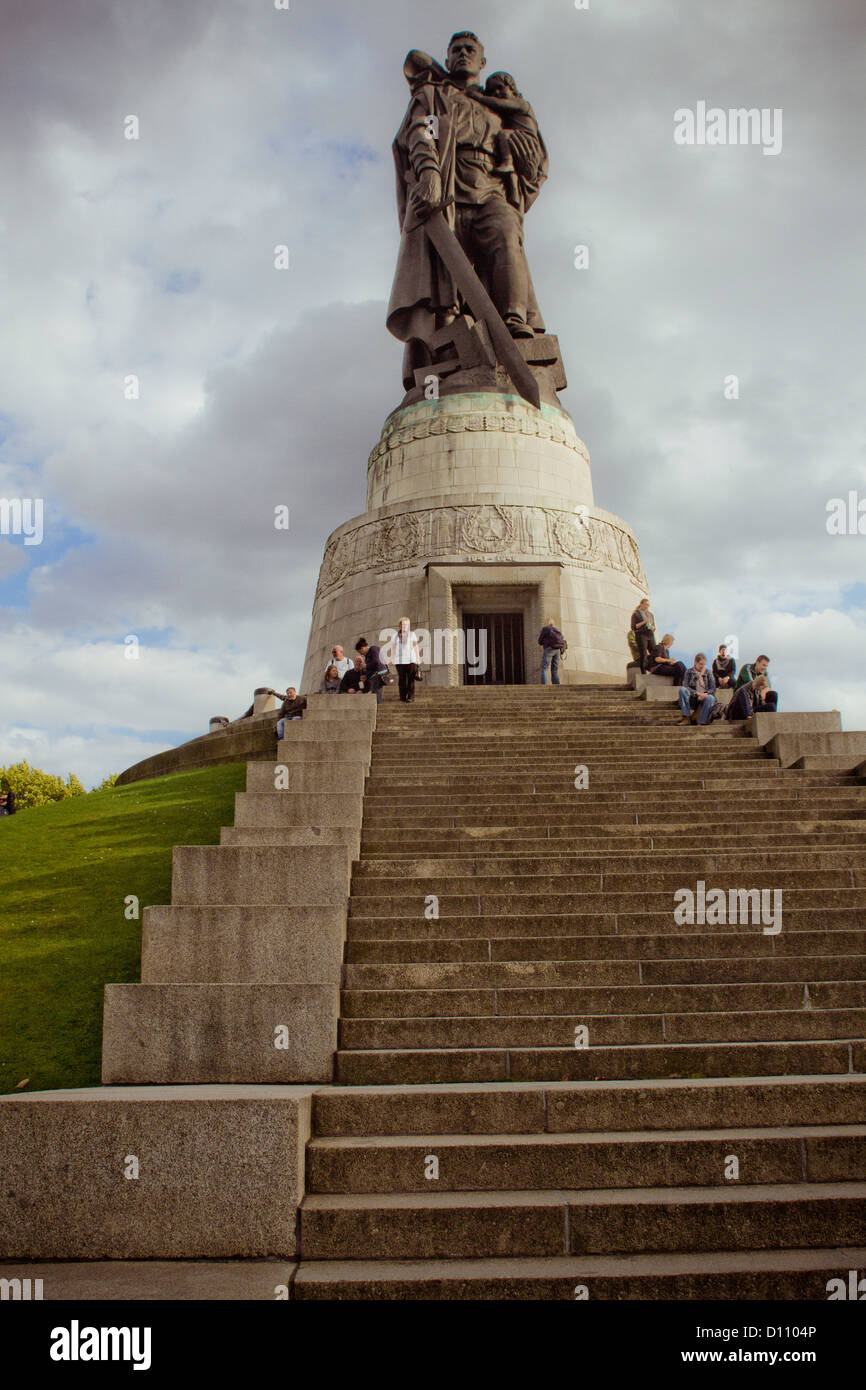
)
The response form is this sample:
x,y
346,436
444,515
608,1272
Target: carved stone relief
x,y
510,533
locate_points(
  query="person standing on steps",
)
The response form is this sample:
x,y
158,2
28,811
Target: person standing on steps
x,y
643,626
552,644
697,692
407,659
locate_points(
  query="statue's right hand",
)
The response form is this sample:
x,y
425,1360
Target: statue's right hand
x,y
426,194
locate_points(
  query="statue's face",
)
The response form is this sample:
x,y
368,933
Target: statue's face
x,y
465,58
498,87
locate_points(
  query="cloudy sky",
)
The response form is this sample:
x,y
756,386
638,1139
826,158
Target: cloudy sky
x,y
259,126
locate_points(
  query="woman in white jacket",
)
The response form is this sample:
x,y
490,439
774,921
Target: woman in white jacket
x,y
406,659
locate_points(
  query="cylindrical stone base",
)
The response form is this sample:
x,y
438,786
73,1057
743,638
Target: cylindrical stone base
x,y
480,508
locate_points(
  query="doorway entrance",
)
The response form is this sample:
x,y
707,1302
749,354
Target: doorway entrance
x,y
498,638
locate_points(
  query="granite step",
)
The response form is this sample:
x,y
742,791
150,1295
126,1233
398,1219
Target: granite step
x,y
472,1163
652,948
595,923
550,1030
583,1107
613,1000
383,1066
378,875
551,973
774,1276
826,894
475,1225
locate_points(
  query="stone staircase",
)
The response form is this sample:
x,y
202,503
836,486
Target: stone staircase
x,y
710,1140
509,1071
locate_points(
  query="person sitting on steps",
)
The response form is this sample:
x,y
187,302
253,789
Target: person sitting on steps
x,y
750,699
353,681
374,666
749,671
330,683
697,692
663,662
724,669
292,708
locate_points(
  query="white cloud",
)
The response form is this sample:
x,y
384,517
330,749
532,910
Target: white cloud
x,y
261,387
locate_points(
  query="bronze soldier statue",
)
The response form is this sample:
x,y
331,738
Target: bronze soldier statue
x,y
476,156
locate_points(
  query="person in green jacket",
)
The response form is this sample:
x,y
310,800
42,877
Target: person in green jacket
x,y
750,672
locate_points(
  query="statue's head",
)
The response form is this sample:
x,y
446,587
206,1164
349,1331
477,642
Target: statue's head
x,y
465,55
501,84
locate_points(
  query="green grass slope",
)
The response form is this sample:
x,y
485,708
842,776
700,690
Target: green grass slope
x,y
65,870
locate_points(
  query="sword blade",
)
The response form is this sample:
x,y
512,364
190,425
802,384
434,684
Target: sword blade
x,y
463,274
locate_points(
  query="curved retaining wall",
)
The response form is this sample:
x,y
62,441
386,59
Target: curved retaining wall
x,y
251,741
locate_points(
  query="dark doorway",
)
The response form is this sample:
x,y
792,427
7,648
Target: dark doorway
x,y
504,648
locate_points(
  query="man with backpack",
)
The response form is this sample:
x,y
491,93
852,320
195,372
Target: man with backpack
x,y
553,645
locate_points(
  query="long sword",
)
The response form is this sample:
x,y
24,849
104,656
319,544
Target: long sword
x,y
462,272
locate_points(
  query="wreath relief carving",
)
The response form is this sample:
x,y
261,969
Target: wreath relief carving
x,y
487,528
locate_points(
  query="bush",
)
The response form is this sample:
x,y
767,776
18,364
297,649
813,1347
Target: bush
x,y
107,782
35,788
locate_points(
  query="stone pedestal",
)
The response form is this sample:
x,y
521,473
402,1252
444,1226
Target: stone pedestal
x,y
264,701
479,503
